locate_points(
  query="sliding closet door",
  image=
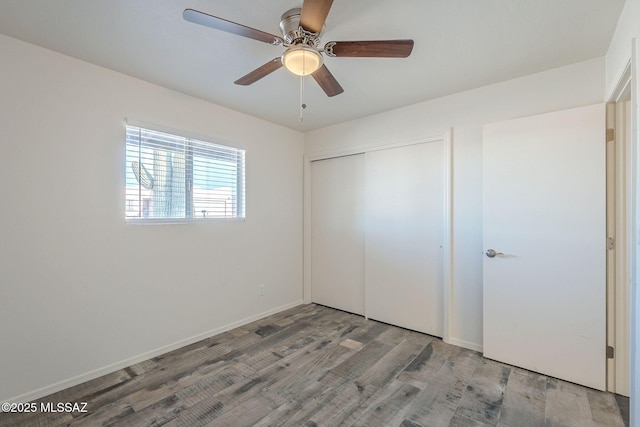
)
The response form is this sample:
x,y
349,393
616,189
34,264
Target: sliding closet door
x,y
337,233
404,236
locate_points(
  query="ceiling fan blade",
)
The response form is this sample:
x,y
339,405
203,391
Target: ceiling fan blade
x,y
370,49
211,21
260,72
327,82
314,13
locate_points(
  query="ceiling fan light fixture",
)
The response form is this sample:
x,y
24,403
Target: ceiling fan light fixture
x,y
302,60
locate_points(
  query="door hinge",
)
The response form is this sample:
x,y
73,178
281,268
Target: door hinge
x,y
611,243
611,135
609,352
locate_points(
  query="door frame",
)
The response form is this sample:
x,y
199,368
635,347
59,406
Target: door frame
x,y
447,266
619,214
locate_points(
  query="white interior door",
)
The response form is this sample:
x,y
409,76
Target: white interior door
x,y
404,236
337,233
544,209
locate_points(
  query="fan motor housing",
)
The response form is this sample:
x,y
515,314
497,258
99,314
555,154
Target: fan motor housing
x,y
290,24
293,33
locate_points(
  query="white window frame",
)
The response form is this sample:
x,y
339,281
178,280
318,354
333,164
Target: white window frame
x,y
191,140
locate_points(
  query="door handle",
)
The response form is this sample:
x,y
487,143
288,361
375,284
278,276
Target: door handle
x,y
492,253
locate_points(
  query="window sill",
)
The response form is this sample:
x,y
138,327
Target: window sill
x,y
149,221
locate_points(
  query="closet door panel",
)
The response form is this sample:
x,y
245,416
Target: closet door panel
x,y
337,233
404,236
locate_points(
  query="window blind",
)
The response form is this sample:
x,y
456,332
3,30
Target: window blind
x,y
174,177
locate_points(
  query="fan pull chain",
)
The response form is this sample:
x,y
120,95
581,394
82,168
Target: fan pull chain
x,y
302,104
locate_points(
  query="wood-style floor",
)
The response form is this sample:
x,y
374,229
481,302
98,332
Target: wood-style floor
x,y
312,366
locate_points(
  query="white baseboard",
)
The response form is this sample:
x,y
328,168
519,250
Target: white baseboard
x,y
464,344
87,376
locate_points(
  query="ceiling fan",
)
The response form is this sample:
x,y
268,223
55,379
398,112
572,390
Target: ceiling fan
x,y
301,28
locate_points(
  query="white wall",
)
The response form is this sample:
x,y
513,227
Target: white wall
x,y
81,293
562,88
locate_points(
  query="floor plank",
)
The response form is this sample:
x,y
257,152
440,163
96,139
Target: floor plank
x,y
437,403
484,394
525,399
604,409
567,405
316,366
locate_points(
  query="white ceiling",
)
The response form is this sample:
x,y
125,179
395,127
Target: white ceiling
x,y
459,45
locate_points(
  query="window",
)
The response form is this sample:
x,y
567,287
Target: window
x,y
173,177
